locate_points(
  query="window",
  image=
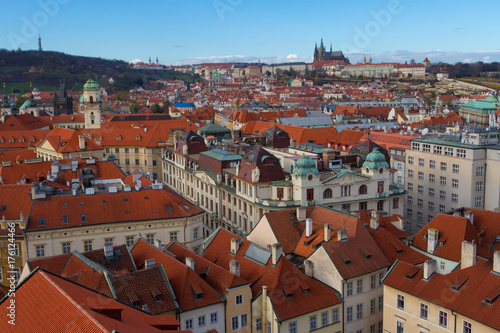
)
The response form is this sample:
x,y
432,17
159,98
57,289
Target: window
x,y
410,173
201,321
268,326
421,162
244,320
359,286
454,182
312,323
127,161
150,239
420,175
335,316
443,318
239,299
401,302
467,327
372,328
410,186
87,246
380,205
258,324
380,187
363,205
432,164
442,209
419,216
456,168
235,323
415,146
443,166
380,326
380,276
195,233
442,180
41,221
108,241
129,241
349,314
380,303
410,159
431,205
292,327
372,306
349,288
214,319
65,219
478,201
409,199
420,203
66,248
154,162
479,186
479,171
400,327
40,251
426,148
432,178
448,151
359,311
442,265
420,189
454,197
461,153
136,162
438,150
327,194
424,311
409,212
363,189
373,282
324,318
126,150
189,324
83,218
431,192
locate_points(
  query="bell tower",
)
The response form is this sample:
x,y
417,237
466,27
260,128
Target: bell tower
x,y
91,104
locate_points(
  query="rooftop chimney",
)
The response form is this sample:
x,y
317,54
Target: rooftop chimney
x,y
470,215
108,251
309,227
430,267
468,254
234,267
374,220
308,267
235,245
276,251
158,244
81,141
301,213
190,263
150,263
432,239
342,235
496,262
327,232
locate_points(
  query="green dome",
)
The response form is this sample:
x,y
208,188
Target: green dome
x,y
304,166
82,99
28,104
375,160
112,157
91,85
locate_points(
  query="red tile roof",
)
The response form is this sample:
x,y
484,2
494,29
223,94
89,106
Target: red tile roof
x,y
17,156
479,283
23,122
16,199
65,140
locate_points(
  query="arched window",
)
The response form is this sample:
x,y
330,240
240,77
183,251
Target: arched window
x,y
327,194
363,189
91,99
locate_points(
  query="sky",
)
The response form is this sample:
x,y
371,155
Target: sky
x,y
272,31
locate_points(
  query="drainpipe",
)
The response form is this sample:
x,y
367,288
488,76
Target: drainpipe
x,y
264,309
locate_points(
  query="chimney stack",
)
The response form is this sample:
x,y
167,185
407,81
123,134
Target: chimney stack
x,y
276,251
432,239
309,227
234,267
235,245
190,263
308,267
327,232
374,220
470,215
342,235
301,213
108,251
81,141
468,254
430,267
496,262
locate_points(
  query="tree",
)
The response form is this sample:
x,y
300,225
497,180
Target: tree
x,y
412,61
133,107
156,108
20,100
166,105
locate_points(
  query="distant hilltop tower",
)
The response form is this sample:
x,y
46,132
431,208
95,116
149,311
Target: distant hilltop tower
x,y
39,44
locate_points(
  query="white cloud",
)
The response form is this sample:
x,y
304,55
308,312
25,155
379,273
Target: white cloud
x,y
291,56
487,59
245,58
434,56
467,60
134,61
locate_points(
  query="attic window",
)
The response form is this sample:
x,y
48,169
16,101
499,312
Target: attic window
x,y
42,221
197,292
125,199
21,140
11,140
345,259
118,253
169,208
157,298
138,137
146,198
458,286
305,288
65,219
412,272
366,254
288,292
127,212
118,138
2,209
425,237
83,218
65,204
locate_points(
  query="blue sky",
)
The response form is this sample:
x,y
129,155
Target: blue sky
x,y
193,31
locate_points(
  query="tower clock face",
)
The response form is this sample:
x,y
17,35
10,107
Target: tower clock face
x,y
310,177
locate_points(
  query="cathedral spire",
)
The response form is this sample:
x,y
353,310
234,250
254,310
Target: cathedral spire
x,y
322,47
315,46
331,47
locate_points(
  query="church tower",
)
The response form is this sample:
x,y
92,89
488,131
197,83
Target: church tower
x,y
90,102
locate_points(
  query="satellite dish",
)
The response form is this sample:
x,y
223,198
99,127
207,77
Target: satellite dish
x,y
425,131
